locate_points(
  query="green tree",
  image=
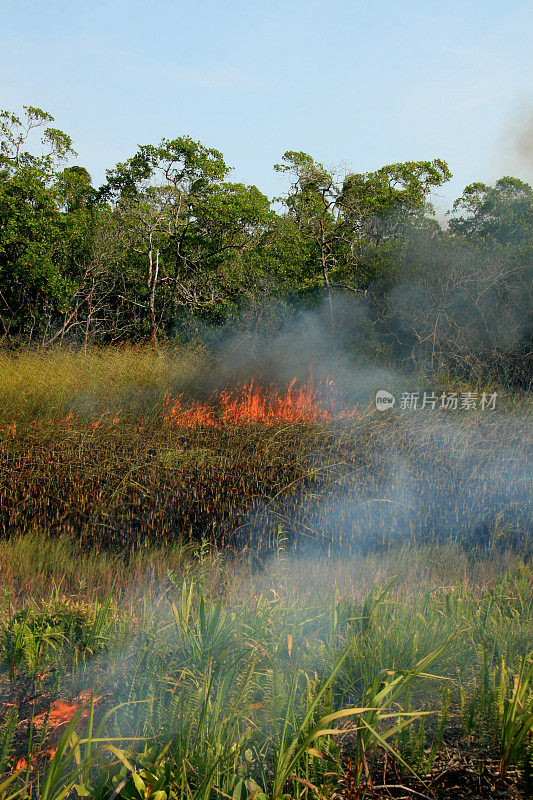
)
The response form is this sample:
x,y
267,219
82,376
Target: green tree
x,y
357,223
177,191
33,240
312,202
378,211
501,214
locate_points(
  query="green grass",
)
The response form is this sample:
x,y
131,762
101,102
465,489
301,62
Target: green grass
x,y
254,684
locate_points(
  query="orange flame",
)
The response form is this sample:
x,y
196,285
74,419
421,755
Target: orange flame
x,y
62,712
11,429
253,404
248,404
22,763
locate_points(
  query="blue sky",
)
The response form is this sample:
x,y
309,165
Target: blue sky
x,y
355,83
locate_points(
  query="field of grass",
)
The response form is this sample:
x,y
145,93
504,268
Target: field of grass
x,y
271,611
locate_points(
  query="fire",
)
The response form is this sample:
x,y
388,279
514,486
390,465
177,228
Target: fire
x,y
247,404
251,404
22,763
62,712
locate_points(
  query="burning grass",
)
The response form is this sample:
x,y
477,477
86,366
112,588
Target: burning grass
x,y
257,405
352,483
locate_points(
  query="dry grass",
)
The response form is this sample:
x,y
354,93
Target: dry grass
x,y
41,385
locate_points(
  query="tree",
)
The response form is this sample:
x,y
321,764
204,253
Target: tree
x,y
16,133
33,240
75,190
501,214
177,192
377,210
356,222
312,202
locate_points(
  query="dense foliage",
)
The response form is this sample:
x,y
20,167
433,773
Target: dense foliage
x,y
169,247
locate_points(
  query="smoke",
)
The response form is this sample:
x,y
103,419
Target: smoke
x,y
304,346
422,479
454,319
450,319
524,141
515,148
415,477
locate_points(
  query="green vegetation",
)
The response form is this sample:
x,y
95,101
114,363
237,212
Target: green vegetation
x,y
168,248
264,684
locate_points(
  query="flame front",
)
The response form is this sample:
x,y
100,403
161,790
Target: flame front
x,y
246,405
252,404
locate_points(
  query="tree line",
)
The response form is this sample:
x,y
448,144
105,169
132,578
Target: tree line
x,y
168,247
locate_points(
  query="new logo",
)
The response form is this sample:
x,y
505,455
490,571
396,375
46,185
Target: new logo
x,y
384,400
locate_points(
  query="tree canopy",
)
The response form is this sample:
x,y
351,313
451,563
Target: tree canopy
x,y
170,244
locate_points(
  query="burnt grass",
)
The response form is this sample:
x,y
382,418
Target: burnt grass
x,y
343,486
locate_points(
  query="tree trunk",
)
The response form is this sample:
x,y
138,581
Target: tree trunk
x,y
152,283
323,258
